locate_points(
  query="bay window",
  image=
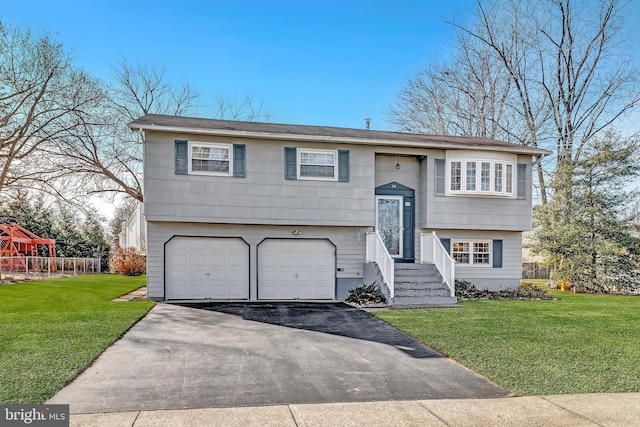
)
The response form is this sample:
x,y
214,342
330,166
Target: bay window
x,y
485,177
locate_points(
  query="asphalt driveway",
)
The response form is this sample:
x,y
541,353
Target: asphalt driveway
x,y
227,355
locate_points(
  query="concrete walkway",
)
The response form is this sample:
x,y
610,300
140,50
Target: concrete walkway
x,y
563,410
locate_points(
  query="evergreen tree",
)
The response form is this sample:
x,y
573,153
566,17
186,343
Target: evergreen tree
x,y
76,235
584,233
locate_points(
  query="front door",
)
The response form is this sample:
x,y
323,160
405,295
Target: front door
x,y
395,220
389,223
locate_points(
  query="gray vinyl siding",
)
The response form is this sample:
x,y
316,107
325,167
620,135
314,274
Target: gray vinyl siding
x,y
487,277
350,245
408,174
263,196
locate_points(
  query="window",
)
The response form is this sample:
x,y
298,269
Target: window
x,y
471,176
456,176
461,252
509,178
210,158
471,252
481,253
497,178
324,165
317,164
486,177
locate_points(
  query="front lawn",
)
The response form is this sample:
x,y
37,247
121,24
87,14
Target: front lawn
x,y
580,344
51,330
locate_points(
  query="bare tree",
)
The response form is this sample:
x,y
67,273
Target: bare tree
x,y
43,98
467,95
143,89
569,75
247,109
65,133
104,150
104,153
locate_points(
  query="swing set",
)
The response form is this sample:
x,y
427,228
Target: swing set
x,y
17,245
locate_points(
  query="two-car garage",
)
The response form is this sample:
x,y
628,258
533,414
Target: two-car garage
x,y
220,268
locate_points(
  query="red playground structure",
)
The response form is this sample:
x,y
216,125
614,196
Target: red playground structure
x,y
17,245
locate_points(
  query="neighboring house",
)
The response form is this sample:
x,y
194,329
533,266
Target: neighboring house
x,y
133,234
262,211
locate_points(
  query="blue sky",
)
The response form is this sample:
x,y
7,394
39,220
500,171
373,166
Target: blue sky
x,y
329,62
325,62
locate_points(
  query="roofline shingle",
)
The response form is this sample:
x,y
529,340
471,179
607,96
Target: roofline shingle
x,y
200,126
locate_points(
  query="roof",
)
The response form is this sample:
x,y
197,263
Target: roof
x,y
200,126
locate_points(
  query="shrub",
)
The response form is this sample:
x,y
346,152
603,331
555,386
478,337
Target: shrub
x,y
128,262
466,290
365,294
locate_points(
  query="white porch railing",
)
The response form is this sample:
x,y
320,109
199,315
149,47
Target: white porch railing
x,y
432,252
377,252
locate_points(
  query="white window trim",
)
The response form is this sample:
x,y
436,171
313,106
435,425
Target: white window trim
x,y
317,178
228,147
471,244
478,190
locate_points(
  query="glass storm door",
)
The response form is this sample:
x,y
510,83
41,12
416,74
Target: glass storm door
x,y
389,223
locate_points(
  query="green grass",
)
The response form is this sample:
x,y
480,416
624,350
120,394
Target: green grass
x,y
580,344
52,330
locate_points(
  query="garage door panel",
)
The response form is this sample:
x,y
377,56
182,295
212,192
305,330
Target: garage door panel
x,y
197,260
206,268
237,260
197,291
296,269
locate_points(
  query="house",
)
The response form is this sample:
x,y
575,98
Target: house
x,y
133,232
265,211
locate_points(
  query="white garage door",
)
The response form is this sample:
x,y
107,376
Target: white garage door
x,y
296,269
206,268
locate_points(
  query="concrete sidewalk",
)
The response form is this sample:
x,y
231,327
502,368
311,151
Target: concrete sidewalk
x,y
562,410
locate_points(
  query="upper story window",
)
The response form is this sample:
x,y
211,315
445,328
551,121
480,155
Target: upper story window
x,y
210,158
317,164
482,177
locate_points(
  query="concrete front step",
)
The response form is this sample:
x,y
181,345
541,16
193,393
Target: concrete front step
x,y
438,292
416,267
420,285
424,301
412,281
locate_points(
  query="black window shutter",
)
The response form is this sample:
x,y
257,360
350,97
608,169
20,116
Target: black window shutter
x,y
447,244
440,176
522,181
181,157
497,254
290,169
239,160
343,165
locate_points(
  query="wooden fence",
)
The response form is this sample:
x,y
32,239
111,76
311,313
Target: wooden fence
x,y
535,270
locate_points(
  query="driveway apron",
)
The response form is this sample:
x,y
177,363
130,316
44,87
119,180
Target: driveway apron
x,y
228,355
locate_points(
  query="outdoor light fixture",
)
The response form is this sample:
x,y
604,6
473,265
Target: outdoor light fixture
x,y
297,232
